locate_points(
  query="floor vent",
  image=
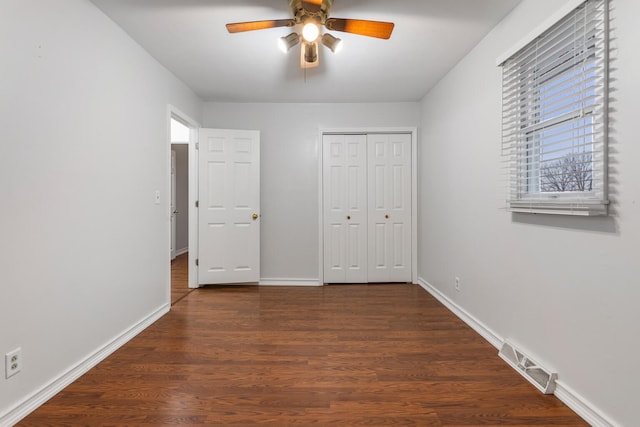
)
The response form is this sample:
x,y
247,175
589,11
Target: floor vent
x,y
540,377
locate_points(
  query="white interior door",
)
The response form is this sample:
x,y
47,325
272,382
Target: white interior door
x,y
229,206
389,207
345,208
173,204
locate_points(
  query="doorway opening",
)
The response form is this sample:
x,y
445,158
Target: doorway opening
x,y
182,145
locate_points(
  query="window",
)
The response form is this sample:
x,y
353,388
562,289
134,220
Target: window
x,y
554,118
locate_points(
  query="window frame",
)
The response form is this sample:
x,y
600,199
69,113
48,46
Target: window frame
x,y
543,84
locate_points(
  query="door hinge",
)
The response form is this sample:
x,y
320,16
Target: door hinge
x,y
197,262
197,203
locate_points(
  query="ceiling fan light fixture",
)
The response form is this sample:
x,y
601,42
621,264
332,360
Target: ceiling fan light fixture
x,y
310,17
310,54
287,42
333,43
310,32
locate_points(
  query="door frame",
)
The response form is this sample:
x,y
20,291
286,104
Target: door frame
x,y
193,125
413,131
173,199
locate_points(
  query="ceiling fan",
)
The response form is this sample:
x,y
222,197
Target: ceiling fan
x,y
310,15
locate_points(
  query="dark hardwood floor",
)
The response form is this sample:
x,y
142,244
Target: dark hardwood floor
x,y
179,278
343,355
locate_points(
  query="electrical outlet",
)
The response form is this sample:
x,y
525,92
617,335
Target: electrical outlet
x,y
458,289
13,362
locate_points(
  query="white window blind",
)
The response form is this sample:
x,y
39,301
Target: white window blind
x,y
554,122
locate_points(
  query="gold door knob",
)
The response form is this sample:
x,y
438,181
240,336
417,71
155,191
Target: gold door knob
x,y
254,216
387,216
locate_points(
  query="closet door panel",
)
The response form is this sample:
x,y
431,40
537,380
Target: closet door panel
x,y
389,166
345,208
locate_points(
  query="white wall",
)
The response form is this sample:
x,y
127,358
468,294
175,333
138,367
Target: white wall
x,y
565,289
289,170
84,250
182,196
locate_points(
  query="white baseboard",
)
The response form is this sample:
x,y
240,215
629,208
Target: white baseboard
x,y
493,338
182,251
581,406
290,282
565,394
32,402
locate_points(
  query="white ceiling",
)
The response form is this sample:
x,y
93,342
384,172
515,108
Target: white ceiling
x,y
190,39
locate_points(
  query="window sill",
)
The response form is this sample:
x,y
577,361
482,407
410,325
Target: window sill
x,y
582,208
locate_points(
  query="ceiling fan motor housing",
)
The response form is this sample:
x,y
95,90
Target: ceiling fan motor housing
x,y
305,10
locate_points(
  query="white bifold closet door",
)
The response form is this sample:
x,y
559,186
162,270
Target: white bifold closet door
x,y
367,208
389,207
345,208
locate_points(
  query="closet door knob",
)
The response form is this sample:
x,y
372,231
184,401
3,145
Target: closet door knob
x,y
254,216
348,216
387,216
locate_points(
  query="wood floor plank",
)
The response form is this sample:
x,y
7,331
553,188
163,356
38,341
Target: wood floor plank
x,y
348,355
179,278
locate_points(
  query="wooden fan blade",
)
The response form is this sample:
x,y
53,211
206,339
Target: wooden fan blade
x,y
381,30
239,27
